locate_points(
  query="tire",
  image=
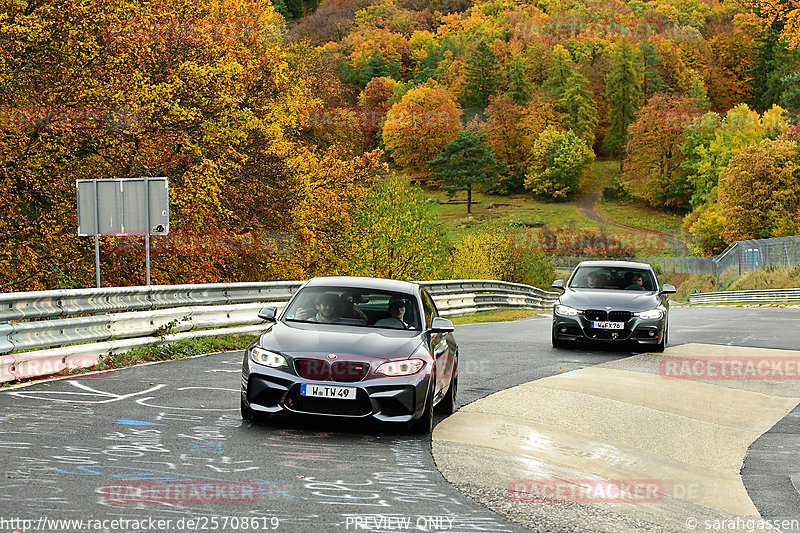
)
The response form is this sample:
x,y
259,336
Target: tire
x,y
247,413
250,415
448,404
557,343
424,425
658,348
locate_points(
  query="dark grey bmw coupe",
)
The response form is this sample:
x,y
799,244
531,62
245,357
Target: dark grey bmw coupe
x,y
612,302
353,347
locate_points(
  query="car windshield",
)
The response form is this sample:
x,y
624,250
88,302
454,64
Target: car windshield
x,y
613,278
354,307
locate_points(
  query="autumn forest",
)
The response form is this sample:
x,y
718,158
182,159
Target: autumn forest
x,y
299,136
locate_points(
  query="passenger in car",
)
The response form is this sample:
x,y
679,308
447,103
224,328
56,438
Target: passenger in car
x,y
349,309
397,311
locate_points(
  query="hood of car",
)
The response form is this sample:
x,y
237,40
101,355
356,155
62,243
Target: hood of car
x,y
300,339
617,299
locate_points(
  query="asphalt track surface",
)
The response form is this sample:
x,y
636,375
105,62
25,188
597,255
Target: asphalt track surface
x,y
79,449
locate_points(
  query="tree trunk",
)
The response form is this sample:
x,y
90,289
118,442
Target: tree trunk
x,y
469,200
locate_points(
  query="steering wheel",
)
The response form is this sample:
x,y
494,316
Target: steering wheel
x,y
393,323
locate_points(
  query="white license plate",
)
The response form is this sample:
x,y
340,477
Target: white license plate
x,y
324,391
608,325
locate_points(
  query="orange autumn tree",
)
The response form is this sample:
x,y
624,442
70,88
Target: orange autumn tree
x,y
420,125
653,163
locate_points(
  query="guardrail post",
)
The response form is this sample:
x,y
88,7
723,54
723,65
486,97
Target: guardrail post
x,y
6,346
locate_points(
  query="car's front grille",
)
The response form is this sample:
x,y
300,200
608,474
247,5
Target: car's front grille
x,y
619,316
315,369
349,371
612,316
595,314
361,406
320,370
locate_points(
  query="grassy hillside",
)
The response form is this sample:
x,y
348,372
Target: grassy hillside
x,y
564,219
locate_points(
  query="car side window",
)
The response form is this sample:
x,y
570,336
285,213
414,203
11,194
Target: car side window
x,y
429,308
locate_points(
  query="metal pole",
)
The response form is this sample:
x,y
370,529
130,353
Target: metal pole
x,y
96,236
147,233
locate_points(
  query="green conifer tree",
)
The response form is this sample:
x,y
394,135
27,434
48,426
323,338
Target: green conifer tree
x,y
652,82
624,95
579,108
375,68
519,88
698,92
558,72
481,78
772,62
466,161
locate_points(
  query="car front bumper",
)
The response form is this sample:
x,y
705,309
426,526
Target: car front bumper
x,y
636,330
386,399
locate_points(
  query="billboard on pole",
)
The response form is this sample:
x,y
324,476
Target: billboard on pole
x,y
122,206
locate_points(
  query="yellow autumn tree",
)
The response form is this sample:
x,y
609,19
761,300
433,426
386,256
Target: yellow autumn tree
x,y
394,235
204,92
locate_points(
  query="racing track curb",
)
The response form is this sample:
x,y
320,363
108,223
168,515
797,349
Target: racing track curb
x,y
621,420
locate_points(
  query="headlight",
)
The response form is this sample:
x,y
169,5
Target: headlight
x,y
652,314
406,367
565,310
265,357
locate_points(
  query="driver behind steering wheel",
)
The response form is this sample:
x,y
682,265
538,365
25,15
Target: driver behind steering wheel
x,y
397,310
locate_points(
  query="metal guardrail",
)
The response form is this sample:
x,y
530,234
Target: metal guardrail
x,y
75,328
766,295
45,304
740,257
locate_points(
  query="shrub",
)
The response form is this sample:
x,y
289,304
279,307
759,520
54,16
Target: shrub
x,y
617,190
487,255
557,164
492,255
533,268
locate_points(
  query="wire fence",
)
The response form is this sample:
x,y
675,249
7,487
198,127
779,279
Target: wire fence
x,y
738,258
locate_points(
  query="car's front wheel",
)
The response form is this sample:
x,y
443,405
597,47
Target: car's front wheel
x,y
424,424
661,345
448,403
557,343
250,415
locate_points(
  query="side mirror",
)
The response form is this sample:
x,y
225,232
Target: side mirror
x,y
268,313
558,284
441,325
668,289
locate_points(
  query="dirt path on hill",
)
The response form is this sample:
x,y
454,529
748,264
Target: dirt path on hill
x,y
586,205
